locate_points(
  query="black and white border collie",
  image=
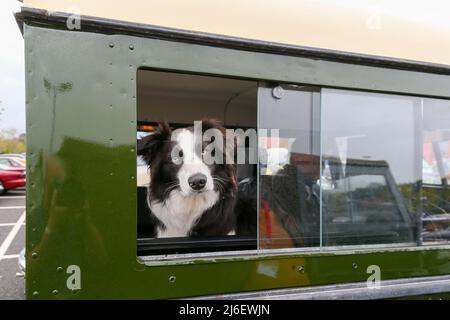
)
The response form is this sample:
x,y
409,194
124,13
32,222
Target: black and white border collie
x,y
186,196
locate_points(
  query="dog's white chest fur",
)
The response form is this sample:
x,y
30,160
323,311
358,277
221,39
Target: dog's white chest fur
x,y
180,212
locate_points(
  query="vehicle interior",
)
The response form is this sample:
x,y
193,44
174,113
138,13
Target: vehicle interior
x,y
181,99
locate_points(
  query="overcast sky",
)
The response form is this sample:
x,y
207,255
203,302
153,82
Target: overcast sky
x,y
12,74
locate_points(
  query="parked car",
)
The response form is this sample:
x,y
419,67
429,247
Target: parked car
x,y
12,162
11,178
21,262
21,157
17,155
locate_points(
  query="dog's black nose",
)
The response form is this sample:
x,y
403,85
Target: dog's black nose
x,y
197,182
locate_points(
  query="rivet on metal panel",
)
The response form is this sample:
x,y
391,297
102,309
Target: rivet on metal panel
x,y
35,294
354,265
131,47
55,292
301,269
132,149
278,92
111,45
59,269
34,255
172,279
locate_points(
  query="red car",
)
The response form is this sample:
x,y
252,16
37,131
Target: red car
x,y
11,178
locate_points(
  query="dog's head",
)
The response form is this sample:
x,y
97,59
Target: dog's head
x,y
192,160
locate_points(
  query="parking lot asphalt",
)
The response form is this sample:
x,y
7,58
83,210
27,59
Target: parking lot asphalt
x,y
12,241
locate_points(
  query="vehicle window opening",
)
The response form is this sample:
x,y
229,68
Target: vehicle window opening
x,y
179,185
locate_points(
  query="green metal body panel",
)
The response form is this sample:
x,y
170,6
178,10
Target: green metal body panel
x,y
81,195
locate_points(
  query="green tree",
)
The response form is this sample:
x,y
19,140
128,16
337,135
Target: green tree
x,y
11,141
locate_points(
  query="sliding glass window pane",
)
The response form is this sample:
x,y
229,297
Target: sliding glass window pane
x,y
385,162
371,168
436,171
288,124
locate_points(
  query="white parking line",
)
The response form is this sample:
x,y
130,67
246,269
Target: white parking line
x,y
12,197
6,224
10,208
10,256
10,237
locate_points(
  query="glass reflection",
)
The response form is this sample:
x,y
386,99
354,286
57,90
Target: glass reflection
x,y
289,167
352,168
400,137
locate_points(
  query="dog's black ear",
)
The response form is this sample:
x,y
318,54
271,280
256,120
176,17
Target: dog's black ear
x,y
229,140
149,146
208,123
